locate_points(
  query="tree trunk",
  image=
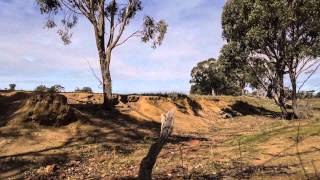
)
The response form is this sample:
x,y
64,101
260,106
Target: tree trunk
x,y
104,59
281,94
294,95
213,93
107,83
243,86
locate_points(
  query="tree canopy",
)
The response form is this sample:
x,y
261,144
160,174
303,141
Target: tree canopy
x,y
119,15
284,35
215,77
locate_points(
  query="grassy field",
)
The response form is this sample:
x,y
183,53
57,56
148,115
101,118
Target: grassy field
x,y
256,144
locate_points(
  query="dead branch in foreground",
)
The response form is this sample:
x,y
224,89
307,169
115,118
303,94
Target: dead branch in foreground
x,y
148,162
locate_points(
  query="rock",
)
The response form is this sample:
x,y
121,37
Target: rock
x,y
154,98
227,112
226,116
49,109
123,99
51,168
133,98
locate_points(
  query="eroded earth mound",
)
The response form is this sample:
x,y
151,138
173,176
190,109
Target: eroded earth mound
x,y
49,109
43,109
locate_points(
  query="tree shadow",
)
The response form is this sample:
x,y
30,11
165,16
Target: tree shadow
x,y
110,131
247,109
123,125
10,104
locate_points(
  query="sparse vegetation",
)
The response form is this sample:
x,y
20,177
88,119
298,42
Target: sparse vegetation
x,y
53,89
239,121
41,88
208,146
56,89
84,89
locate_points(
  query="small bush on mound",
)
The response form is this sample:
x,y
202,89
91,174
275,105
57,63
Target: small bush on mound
x,y
53,89
41,88
56,89
84,90
49,109
12,87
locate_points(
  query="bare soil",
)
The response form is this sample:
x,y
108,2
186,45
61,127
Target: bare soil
x,y
257,144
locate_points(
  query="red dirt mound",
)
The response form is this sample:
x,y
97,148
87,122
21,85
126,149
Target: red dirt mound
x,y
44,109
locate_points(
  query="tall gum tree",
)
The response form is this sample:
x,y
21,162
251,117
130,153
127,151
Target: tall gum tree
x,y
282,34
302,49
109,19
236,68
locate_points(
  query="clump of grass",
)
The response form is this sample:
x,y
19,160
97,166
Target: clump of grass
x,y
311,129
259,137
172,95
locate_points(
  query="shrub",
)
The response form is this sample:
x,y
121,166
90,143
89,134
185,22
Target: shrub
x,y
41,88
87,89
56,89
12,87
84,89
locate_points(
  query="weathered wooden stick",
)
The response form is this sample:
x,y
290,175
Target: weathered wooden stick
x,y
147,163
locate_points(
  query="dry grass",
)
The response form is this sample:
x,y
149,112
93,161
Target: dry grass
x,y
111,145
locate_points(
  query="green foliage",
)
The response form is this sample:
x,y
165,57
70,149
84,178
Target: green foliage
x,y
56,89
41,88
229,75
234,62
110,10
84,89
209,76
12,87
282,35
53,89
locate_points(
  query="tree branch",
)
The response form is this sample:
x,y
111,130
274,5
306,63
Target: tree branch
x,y
94,74
135,34
122,26
310,75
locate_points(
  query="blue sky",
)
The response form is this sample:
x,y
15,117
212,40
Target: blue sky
x,y
31,55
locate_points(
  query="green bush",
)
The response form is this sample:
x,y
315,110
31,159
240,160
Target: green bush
x,y
12,87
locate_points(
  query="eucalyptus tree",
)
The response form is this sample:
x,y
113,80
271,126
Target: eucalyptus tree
x,y
109,19
302,43
281,34
234,61
209,77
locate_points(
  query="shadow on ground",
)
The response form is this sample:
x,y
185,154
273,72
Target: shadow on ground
x,y
107,130
247,109
9,105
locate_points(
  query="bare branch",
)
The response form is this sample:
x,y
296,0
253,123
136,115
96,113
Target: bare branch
x,y
135,34
94,74
70,8
122,27
310,75
112,26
